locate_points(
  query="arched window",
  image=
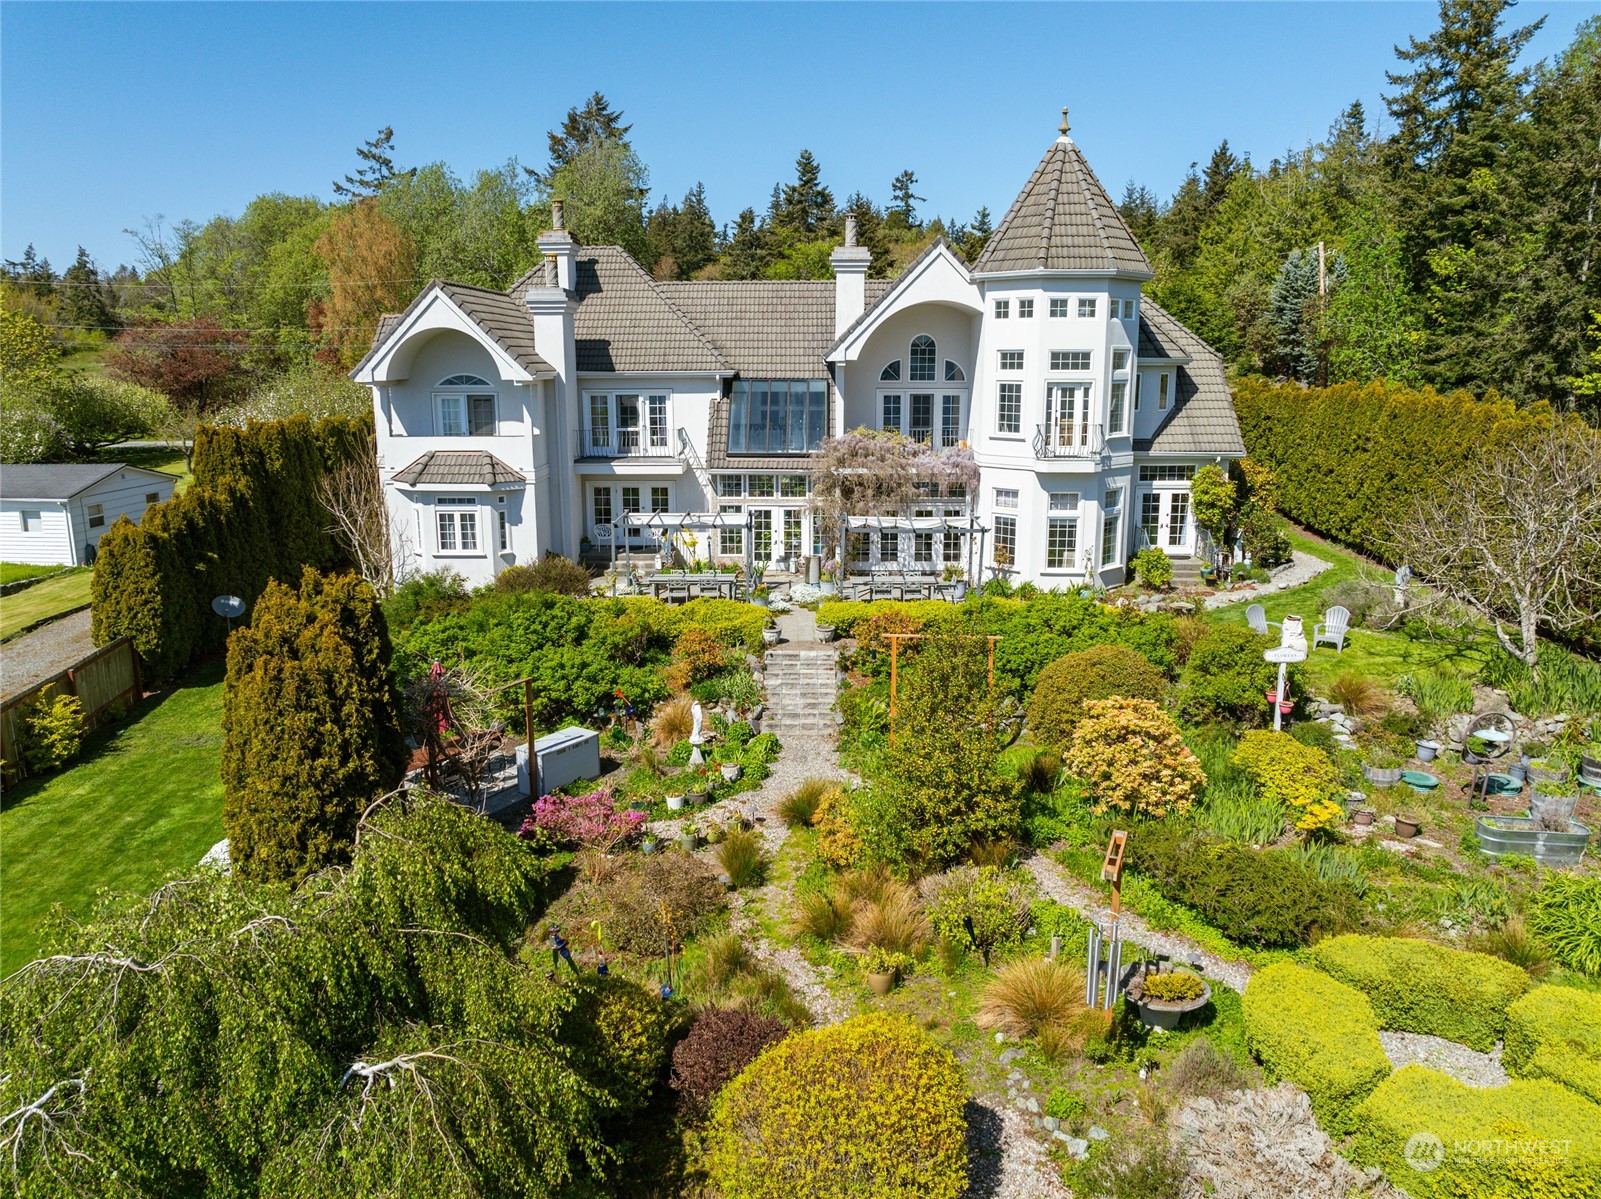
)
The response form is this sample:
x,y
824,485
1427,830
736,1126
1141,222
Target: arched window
x,y
953,373
922,358
465,381
891,373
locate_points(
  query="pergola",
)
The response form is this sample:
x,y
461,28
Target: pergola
x,y
669,524
917,524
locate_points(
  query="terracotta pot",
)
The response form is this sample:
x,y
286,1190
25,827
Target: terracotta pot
x,y
882,984
1362,816
1406,827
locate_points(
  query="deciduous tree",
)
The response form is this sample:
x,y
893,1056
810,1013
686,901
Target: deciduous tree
x,y
371,270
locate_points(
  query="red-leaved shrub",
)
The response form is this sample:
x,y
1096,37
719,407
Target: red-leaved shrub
x,y
721,1043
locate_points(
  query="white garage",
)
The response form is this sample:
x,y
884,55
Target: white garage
x,y
55,513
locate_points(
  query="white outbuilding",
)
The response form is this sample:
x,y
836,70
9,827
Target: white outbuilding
x,y
55,513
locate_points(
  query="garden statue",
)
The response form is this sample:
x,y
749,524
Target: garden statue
x,y
1294,635
1403,576
695,738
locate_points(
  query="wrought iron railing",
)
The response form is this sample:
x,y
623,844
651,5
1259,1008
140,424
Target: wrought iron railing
x,y
1068,440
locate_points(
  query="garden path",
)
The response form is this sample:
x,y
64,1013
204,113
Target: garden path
x,y
1467,1066
1056,884
1303,568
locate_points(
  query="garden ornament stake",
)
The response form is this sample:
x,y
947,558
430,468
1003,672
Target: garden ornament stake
x,y
1112,872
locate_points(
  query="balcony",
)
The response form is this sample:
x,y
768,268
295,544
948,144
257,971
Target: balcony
x,y
609,444
1066,439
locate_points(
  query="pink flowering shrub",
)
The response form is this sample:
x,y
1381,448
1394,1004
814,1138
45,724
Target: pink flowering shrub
x,y
591,821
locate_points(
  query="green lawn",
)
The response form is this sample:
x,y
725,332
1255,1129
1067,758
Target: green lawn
x,y
143,800
14,572
1378,656
50,598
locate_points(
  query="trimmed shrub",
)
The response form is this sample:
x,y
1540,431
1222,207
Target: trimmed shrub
x,y
1057,704
1265,542
550,573
697,655
998,906
1130,756
310,726
1268,898
1555,1033
633,902
1226,681
720,1043
837,842
1302,777
620,1031
52,730
1421,987
1566,915
867,1107
1318,1033
1154,568
1473,1126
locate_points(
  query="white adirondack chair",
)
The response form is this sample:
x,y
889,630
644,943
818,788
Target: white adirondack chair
x,y
1332,628
1256,617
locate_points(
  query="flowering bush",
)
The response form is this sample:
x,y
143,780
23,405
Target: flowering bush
x,y
1301,776
1129,754
591,821
867,1107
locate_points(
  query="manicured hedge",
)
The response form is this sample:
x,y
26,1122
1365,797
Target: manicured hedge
x,y
1526,1140
1555,1033
1418,986
1318,1033
251,516
1347,458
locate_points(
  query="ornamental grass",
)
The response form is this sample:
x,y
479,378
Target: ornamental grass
x,y
1031,995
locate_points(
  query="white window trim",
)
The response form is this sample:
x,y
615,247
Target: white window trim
x,y
1025,316
1000,360
1087,369
1006,434
613,444
457,506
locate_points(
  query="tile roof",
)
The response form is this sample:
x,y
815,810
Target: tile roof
x,y
451,468
1062,220
767,328
1202,419
626,322
57,481
506,320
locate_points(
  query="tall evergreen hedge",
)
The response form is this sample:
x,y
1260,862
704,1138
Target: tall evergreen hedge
x,y
1348,458
251,515
310,725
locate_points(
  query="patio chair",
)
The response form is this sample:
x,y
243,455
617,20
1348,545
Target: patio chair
x,y
1256,617
1332,628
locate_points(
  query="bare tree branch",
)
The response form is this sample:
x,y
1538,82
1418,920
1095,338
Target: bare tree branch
x,y
353,494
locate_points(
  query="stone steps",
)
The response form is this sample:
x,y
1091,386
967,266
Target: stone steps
x,y
802,685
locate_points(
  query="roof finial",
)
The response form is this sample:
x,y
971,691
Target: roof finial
x,y
1062,128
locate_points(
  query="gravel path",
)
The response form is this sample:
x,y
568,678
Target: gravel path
x,y
1003,1160
1461,1063
36,656
1303,568
1055,884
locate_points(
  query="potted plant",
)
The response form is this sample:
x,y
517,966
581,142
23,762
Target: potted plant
x,y
882,967
697,788
647,843
952,574
1427,750
1363,816
825,633
829,584
730,771
687,839
1554,812
675,803
1547,770
1166,998
769,630
1407,827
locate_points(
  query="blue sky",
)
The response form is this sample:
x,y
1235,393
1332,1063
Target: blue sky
x,y
112,113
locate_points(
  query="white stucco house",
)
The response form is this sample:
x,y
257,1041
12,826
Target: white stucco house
x,y
55,514
515,423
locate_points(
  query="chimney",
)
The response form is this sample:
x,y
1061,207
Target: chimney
x,y
850,263
559,244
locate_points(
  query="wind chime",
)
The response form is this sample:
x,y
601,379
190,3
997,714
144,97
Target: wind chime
x,y
1107,964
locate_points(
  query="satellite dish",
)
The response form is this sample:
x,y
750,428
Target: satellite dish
x,y
228,606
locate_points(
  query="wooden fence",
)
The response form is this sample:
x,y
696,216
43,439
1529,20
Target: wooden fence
x,y
108,676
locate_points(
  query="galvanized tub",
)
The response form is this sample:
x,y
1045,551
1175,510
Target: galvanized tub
x,y
1523,835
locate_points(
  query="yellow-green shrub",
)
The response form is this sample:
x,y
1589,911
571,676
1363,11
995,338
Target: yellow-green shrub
x,y
1318,1033
867,1107
1130,756
837,841
731,622
1057,704
1555,1033
1526,1140
1418,986
1300,776
846,615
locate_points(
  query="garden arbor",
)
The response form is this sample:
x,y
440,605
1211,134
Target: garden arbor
x,y
671,525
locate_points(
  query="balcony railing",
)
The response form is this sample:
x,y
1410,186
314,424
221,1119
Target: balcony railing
x,y
624,443
1065,440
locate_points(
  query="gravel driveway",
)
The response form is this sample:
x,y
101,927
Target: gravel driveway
x,y
36,656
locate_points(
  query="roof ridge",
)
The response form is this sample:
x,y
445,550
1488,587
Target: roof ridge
x,y
1052,195
1086,179
1011,213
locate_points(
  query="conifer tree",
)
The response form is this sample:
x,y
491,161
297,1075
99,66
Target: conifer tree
x,y
903,201
311,726
747,252
595,122
83,297
378,170
806,204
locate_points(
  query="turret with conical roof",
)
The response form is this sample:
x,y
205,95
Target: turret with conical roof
x,y
1063,220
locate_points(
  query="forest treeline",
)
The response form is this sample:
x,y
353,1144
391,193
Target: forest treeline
x,y
1455,248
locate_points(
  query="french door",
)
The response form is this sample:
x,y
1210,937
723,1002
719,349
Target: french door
x,y
1067,416
1165,521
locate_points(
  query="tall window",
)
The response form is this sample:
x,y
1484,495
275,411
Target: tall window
x,y
466,412
889,547
630,500
1005,541
923,549
1119,360
1151,517
505,529
1161,392
730,541
922,359
1111,519
1025,309
603,509
628,423
457,521
891,414
950,420
1061,537
922,429
1114,418
1178,517
777,416
599,422
656,429
1009,409
1128,310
